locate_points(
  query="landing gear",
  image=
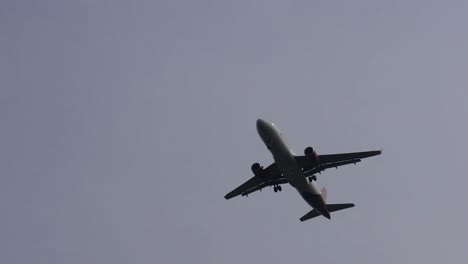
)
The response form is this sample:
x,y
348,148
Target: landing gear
x,y
312,178
277,188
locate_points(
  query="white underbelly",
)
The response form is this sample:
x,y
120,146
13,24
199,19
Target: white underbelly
x,y
297,179
286,162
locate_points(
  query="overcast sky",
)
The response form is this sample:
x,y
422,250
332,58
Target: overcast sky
x,y
124,123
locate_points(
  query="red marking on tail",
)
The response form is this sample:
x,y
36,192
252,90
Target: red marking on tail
x,y
324,194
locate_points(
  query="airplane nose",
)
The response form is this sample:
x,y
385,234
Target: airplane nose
x,y
261,125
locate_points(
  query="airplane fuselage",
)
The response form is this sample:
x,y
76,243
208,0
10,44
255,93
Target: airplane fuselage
x,y
285,159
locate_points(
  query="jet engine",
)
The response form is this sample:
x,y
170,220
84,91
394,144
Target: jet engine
x,y
310,152
257,169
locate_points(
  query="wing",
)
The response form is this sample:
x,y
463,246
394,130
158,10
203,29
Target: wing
x,y
271,176
348,156
310,166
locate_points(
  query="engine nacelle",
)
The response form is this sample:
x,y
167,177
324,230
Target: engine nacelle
x,y
257,169
310,152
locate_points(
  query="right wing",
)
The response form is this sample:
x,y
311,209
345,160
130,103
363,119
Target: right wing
x,y
332,158
310,167
271,176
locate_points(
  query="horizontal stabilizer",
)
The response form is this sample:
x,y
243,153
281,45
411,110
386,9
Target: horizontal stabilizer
x,y
309,215
337,207
330,207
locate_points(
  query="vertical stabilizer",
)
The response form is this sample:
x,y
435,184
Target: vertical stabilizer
x,y
324,194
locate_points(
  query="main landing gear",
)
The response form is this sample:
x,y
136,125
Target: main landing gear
x,y
312,178
277,188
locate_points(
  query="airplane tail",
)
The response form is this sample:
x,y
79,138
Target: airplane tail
x,y
330,207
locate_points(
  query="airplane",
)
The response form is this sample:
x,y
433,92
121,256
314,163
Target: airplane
x,y
298,171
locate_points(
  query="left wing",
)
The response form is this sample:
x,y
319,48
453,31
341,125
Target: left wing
x,y
270,176
278,181
311,166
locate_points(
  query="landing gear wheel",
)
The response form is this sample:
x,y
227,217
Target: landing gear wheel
x,y
312,178
279,188
275,189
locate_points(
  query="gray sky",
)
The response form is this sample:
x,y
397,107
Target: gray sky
x,y
124,123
